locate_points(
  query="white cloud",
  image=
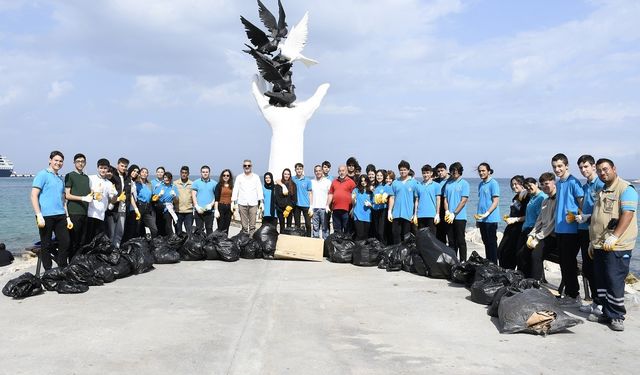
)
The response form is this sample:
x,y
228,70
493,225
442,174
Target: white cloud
x,y
147,127
58,89
9,96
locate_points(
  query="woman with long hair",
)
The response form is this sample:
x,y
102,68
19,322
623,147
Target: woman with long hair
x,y
361,211
222,204
379,208
269,215
133,216
508,248
285,198
388,234
145,205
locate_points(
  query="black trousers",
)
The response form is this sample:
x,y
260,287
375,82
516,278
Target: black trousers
x,y
427,222
297,211
131,226
568,249
378,218
587,264
488,233
158,208
399,228
168,223
148,220
54,224
362,229
272,220
224,221
509,246
455,234
94,228
204,221
185,218
77,234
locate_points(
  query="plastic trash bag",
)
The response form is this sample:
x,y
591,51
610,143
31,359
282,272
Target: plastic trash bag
x,y
252,250
25,285
489,279
192,248
175,241
102,249
227,251
292,231
71,287
80,270
104,273
240,242
413,263
137,252
464,273
438,257
122,269
51,278
367,253
340,248
397,257
267,238
509,291
163,253
534,311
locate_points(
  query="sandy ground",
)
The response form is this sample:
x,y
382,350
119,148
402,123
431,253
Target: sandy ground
x,y
278,317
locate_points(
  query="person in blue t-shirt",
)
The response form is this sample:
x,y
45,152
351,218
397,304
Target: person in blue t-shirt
x,y
362,202
48,202
381,192
203,196
428,201
534,206
165,194
269,215
488,214
456,195
147,213
441,177
568,204
303,202
402,203
587,166
158,208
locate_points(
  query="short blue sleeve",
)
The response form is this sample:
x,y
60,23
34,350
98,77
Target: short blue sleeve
x,y
465,189
629,199
40,180
495,189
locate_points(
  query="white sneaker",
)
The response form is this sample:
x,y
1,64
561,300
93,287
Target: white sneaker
x,y
593,308
570,302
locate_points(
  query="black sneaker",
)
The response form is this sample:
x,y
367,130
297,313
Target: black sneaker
x,y
598,318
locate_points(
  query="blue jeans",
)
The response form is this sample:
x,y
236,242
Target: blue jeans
x,y
319,222
341,221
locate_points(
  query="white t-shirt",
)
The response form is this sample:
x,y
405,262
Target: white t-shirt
x,y
247,190
320,190
100,185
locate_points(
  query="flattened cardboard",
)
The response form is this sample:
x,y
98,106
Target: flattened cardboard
x,y
300,248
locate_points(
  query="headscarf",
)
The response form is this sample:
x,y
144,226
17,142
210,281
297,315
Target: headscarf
x,y
269,187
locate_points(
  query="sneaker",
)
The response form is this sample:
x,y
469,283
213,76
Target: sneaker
x,y
617,325
570,301
593,308
598,319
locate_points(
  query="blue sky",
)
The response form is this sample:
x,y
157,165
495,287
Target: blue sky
x,y
165,82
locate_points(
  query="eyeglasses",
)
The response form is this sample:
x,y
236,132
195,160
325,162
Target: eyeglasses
x,y
225,175
80,162
247,165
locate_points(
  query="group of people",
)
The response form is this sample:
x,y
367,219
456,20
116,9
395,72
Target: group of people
x,y
552,213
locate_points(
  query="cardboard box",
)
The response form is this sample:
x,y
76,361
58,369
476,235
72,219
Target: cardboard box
x,y
300,248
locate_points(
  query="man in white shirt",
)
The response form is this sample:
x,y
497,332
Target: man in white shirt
x,y
247,196
104,192
319,191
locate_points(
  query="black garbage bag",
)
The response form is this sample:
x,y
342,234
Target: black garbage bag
x,y
100,244
413,263
80,270
367,253
192,248
267,237
227,251
240,241
71,287
104,273
534,311
482,291
137,252
209,249
509,291
397,258
252,250
23,286
486,271
122,269
293,231
163,253
175,241
340,247
438,257
50,278
464,273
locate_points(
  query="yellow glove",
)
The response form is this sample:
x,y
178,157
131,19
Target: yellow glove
x,y
287,211
97,195
505,217
571,217
122,197
138,216
40,220
69,223
310,212
449,217
414,220
155,197
385,197
376,198
532,242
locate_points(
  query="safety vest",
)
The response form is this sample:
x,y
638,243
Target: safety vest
x,y
607,207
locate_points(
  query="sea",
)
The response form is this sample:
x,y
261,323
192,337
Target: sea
x,y
18,229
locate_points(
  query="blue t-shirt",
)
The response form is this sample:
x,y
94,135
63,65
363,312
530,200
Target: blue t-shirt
x,y
454,191
404,194
533,209
166,196
360,211
204,191
51,195
427,194
569,190
591,190
155,182
303,187
486,191
629,199
144,193
267,201
381,189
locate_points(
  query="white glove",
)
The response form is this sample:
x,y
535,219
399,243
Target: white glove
x,y
449,217
583,218
367,204
172,212
216,214
328,209
610,243
436,219
512,220
310,212
88,198
172,193
40,220
199,209
110,206
208,207
69,223
285,191
480,216
233,207
260,207
532,242
390,216
161,192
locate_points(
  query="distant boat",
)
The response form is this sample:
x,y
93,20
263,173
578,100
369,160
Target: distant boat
x,y
6,167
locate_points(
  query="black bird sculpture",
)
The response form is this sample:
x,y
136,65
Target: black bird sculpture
x,y
279,75
259,38
278,30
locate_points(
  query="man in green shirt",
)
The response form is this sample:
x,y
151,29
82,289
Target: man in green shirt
x,y
78,194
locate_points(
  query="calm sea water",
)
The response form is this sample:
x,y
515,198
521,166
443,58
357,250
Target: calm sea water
x,y
18,229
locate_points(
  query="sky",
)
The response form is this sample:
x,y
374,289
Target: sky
x,y
165,82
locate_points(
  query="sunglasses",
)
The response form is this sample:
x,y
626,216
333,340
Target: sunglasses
x,y
225,175
247,165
